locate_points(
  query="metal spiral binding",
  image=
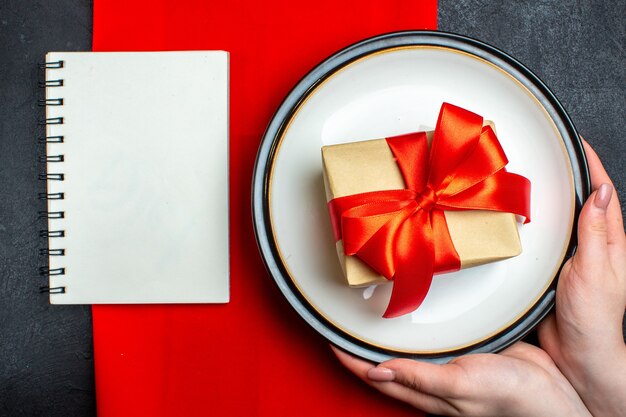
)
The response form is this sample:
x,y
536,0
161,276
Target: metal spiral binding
x,y
51,139
51,215
51,177
47,215
51,158
51,233
51,290
51,252
50,102
53,64
51,196
51,121
48,272
51,83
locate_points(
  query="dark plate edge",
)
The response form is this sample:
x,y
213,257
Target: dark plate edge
x,y
267,149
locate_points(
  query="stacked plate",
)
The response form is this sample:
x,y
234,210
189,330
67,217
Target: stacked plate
x,y
394,84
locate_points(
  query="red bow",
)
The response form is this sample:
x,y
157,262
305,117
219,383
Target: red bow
x,y
403,234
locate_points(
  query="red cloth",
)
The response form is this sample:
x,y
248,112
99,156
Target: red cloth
x,y
253,356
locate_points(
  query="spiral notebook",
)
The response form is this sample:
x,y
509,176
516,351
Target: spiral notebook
x,y
137,177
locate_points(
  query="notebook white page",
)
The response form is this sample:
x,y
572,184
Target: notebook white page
x,y
145,164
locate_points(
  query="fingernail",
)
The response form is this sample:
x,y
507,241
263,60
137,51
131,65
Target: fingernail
x,y
381,374
603,196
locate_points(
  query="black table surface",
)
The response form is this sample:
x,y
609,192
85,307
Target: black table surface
x,y
46,353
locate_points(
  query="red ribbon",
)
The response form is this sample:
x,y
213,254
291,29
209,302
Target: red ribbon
x,y
403,234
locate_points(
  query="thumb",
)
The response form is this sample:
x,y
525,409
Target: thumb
x,y
593,230
427,378
426,386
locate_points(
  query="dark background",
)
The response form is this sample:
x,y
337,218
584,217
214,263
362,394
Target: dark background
x,y
578,48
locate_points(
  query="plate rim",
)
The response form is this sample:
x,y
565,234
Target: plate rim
x,y
292,102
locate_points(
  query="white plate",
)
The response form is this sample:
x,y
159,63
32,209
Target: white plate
x,y
386,90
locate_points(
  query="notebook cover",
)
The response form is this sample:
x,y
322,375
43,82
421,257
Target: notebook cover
x,y
253,356
145,189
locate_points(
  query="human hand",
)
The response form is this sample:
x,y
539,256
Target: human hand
x,y
584,336
519,381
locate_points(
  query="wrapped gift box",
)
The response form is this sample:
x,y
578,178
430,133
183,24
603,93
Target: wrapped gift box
x,y
478,236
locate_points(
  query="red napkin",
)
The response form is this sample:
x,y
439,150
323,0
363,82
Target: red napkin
x,y
253,356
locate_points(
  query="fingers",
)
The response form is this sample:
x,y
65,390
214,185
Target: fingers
x,y
428,378
357,366
425,402
596,169
426,386
549,337
614,213
397,379
420,376
592,254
